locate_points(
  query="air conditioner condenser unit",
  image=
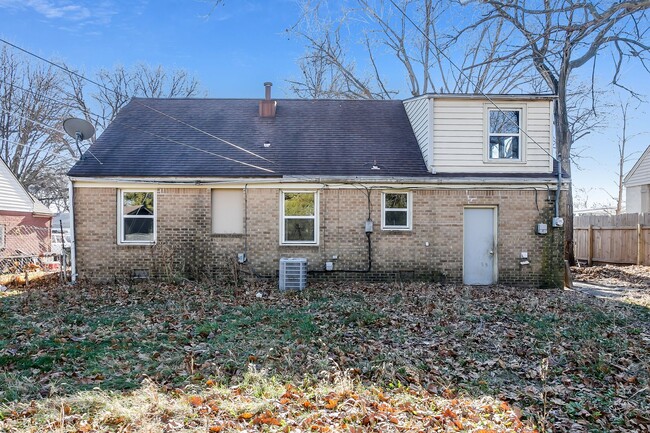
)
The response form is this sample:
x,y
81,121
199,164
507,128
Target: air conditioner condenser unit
x,y
293,273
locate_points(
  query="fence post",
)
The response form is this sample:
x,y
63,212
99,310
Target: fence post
x,y
639,244
590,245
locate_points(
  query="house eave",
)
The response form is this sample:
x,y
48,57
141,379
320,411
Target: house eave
x,y
481,96
433,180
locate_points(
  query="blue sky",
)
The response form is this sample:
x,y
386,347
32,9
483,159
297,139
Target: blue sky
x,y
232,50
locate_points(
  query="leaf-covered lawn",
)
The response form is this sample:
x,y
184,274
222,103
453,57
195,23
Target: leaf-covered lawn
x,y
337,357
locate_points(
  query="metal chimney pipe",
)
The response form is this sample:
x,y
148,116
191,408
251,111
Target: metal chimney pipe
x,y
267,105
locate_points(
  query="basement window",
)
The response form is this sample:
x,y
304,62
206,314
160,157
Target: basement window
x,y
137,217
504,136
299,218
396,211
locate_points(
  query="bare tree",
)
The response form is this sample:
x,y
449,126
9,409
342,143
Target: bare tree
x,y
31,139
558,38
116,87
504,45
624,155
388,40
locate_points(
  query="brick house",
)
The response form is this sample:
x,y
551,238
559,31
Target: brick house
x,y
439,187
25,223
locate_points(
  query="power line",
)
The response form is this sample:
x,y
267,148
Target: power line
x,y
207,133
102,86
165,138
485,95
56,153
201,150
65,104
48,127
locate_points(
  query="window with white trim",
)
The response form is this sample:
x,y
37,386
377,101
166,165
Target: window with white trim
x,y
2,236
299,218
396,211
504,134
137,217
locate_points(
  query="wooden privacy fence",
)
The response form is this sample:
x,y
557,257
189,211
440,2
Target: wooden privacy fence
x,y
619,239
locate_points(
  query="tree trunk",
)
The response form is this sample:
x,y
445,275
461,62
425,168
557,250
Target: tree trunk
x,y
563,141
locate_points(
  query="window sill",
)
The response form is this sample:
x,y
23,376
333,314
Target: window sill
x,y
504,161
226,235
396,231
136,244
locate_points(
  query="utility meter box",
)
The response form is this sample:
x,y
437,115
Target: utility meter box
x,y
558,222
541,229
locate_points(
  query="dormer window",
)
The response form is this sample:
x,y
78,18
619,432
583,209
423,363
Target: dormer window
x,y
504,136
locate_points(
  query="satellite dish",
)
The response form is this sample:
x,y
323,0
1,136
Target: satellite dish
x,y
78,129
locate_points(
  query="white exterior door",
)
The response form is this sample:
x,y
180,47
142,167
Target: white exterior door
x,y
479,246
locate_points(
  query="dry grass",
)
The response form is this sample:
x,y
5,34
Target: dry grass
x,y
353,357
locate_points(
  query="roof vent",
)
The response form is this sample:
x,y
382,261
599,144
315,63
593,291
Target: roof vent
x,y
267,105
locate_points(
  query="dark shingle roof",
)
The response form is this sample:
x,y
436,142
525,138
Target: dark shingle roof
x,y
320,138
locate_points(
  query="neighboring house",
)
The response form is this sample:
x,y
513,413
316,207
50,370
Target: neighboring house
x,y
435,187
25,222
61,232
637,185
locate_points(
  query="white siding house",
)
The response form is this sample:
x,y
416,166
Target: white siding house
x,y
637,185
471,133
13,196
24,221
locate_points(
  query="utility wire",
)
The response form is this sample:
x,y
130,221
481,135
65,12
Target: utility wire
x,y
204,132
48,127
56,153
201,150
102,86
96,115
40,95
485,95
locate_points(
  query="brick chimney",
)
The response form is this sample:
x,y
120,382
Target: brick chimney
x,y
267,105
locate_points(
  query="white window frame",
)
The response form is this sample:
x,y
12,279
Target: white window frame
x,y
120,217
408,210
315,217
3,236
520,135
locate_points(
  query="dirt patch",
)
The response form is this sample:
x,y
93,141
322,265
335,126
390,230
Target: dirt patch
x,y
633,276
623,283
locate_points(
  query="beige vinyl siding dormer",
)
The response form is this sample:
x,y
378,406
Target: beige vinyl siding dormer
x,y
458,133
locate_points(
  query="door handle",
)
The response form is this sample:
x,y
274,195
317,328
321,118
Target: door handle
x,y
491,252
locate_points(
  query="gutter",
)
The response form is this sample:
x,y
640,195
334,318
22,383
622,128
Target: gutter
x,y
388,181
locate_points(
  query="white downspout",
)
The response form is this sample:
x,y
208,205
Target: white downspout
x,y
73,242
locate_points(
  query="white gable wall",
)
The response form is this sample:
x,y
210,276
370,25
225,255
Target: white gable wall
x,y
637,185
13,196
640,173
418,113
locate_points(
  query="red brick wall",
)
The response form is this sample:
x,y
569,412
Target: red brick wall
x,y
186,246
25,234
